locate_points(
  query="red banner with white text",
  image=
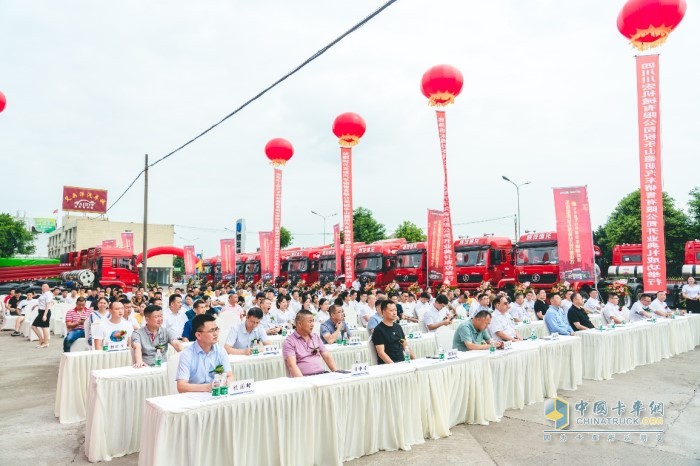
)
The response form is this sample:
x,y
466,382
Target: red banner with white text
x,y
338,254
267,239
228,258
276,224
109,243
346,177
190,260
574,234
78,199
649,117
435,255
449,272
128,241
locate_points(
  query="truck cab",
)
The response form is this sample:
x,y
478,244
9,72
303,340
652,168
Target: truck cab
x,y
411,263
252,268
626,262
240,266
112,267
303,265
376,262
537,260
691,264
487,258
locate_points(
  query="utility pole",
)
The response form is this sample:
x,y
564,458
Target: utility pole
x,y
145,224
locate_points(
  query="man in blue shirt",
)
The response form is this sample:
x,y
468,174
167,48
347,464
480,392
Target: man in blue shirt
x,y
244,335
195,373
376,317
555,317
333,328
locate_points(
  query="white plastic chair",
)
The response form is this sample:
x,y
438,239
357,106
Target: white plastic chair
x,y
79,345
171,366
9,320
26,327
351,316
317,328
225,321
58,319
444,337
373,358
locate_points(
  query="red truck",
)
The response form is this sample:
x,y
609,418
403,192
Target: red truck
x,y
488,258
411,264
537,260
303,265
376,262
252,268
326,265
691,264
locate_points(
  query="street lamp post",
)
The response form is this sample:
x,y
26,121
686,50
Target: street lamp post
x,y
517,191
324,217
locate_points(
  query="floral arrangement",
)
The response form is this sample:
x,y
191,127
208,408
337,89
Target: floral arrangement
x,y
369,286
561,288
618,287
285,284
328,288
315,286
248,283
414,288
301,284
485,285
523,288
391,287
445,288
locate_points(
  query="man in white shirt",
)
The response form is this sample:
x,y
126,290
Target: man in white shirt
x,y
502,327
482,304
517,309
438,316
640,310
566,302
114,333
659,305
356,285
267,322
421,308
24,307
592,303
295,304
232,305
364,309
72,298
611,310
461,306
128,315
529,303
175,317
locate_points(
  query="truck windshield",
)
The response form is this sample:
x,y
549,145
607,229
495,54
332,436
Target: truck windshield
x,y
471,258
632,258
537,255
252,267
368,264
298,265
239,268
122,264
326,265
411,260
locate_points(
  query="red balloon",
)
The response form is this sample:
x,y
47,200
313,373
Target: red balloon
x,y
647,23
279,151
441,84
3,101
349,128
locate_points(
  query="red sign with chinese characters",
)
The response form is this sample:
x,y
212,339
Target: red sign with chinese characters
x,y
336,245
190,260
228,257
84,200
653,238
574,233
128,241
266,253
276,224
434,245
346,176
109,243
449,273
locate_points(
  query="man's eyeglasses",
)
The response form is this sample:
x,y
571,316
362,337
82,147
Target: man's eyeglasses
x,y
212,331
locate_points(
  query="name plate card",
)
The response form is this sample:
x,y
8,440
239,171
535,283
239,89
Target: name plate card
x,y
507,345
451,354
360,368
241,386
355,341
555,336
271,349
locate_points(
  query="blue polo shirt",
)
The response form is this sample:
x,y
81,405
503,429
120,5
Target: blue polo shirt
x,y
196,366
328,327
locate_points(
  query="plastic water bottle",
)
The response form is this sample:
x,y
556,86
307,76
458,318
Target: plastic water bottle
x,y
216,386
223,388
105,347
284,331
441,353
406,355
159,358
492,347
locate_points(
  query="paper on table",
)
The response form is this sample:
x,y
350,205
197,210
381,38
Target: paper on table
x,y
199,396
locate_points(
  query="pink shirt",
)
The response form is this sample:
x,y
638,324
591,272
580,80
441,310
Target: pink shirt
x,y
308,362
74,316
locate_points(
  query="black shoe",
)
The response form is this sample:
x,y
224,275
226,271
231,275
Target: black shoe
x,y
15,334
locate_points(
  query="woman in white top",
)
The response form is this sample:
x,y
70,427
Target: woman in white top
x,y
691,294
322,315
97,317
283,315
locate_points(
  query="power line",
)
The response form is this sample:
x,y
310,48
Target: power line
x,y
484,220
264,91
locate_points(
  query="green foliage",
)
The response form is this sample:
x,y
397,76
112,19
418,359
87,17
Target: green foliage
x,y
410,231
286,238
365,228
694,212
14,237
178,263
625,226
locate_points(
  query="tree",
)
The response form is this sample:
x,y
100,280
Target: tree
x,y
286,238
365,228
694,212
410,231
178,263
625,226
14,237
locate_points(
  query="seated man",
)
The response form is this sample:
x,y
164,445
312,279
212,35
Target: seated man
x,y
115,332
659,305
555,318
304,351
335,327
437,315
153,336
473,334
11,302
640,310
244,335
24,307
375,318
576,315
517,309
388,337
195,373
268,322
611,311
75,323
198,308
592,303
502,326
480,304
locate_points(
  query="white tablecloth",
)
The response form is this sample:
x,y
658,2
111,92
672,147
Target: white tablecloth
x,y
74,378
360,415
259,367
596,319
410,327
562,366
115,409
681,335
424,346
694,324
454,392
273,425
537,328
517,378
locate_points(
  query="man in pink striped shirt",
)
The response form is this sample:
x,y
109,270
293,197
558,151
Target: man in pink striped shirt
x,y
303,351
75,322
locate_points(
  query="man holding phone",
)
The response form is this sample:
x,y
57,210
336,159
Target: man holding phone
x,y
437,316
75,322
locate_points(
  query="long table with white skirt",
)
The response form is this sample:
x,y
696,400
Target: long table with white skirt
x,y
562,366
115,409
454,392
694,325
74,379
361,415
517,377
269,426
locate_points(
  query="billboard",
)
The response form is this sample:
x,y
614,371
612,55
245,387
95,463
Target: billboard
x,y
76,199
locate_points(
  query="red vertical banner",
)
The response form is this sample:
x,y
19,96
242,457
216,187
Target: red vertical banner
x,y
346,176
649,117
228,258
574,234
266,253
447,243
435,255
128,241
109,243
276,224
338,254
190,260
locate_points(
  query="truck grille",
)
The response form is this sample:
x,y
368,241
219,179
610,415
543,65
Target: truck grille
x,y
470,278
534,278
407,278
